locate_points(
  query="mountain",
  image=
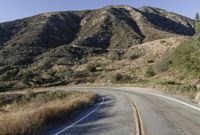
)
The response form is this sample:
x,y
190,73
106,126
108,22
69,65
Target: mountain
x,y
39,43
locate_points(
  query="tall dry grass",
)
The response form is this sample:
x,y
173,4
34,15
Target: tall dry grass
x,y
31,120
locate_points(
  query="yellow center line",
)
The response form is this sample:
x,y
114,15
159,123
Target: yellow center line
x,y
137,118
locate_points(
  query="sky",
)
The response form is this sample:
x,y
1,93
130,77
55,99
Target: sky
x,y
16,9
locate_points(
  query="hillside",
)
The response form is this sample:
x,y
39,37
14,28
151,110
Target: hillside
x,y
183,63
178,71
47,49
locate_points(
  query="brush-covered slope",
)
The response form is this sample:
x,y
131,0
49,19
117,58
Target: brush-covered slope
x,y
183,64
40,43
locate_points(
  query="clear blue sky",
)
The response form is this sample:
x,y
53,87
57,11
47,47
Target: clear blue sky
x,y
15,9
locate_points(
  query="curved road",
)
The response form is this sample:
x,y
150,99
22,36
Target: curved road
x,y
125,111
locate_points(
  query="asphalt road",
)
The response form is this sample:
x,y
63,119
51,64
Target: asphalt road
x,y
115,114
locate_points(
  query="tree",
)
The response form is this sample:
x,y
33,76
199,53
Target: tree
x,y
197,23
197,18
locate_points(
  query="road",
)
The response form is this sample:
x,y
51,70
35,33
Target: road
x,y
132,111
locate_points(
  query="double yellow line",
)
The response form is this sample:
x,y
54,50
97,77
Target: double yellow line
x,y
137,117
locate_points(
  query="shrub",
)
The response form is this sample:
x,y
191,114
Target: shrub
x,y
133,54
78,74
8,99
68,75
38,80
52,76
150,61
163,64
114,55
150,72
26,78
197,27
5,86
9,75
91,68
188,88
117,77
162,41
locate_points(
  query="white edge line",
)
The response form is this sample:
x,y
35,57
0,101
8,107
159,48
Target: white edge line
x,y
73,124
175,100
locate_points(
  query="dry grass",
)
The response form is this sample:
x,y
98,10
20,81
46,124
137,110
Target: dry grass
x,y
29,119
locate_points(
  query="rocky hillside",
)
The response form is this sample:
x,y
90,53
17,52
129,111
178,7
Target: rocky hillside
x,y
37,45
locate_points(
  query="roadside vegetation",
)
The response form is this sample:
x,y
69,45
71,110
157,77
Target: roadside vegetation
x,y
179,70
184,60
169,86
29,113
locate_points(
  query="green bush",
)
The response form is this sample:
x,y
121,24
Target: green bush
x,y
26,77
38,80
150,71
52,76
119,78
186,58
163,64
168,82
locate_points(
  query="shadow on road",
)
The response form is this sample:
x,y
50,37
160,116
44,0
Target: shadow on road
x,y
92,124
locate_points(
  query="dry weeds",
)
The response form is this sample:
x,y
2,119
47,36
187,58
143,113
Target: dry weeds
x,y
30,119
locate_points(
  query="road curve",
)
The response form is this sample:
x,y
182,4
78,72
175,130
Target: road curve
x,y
160,114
